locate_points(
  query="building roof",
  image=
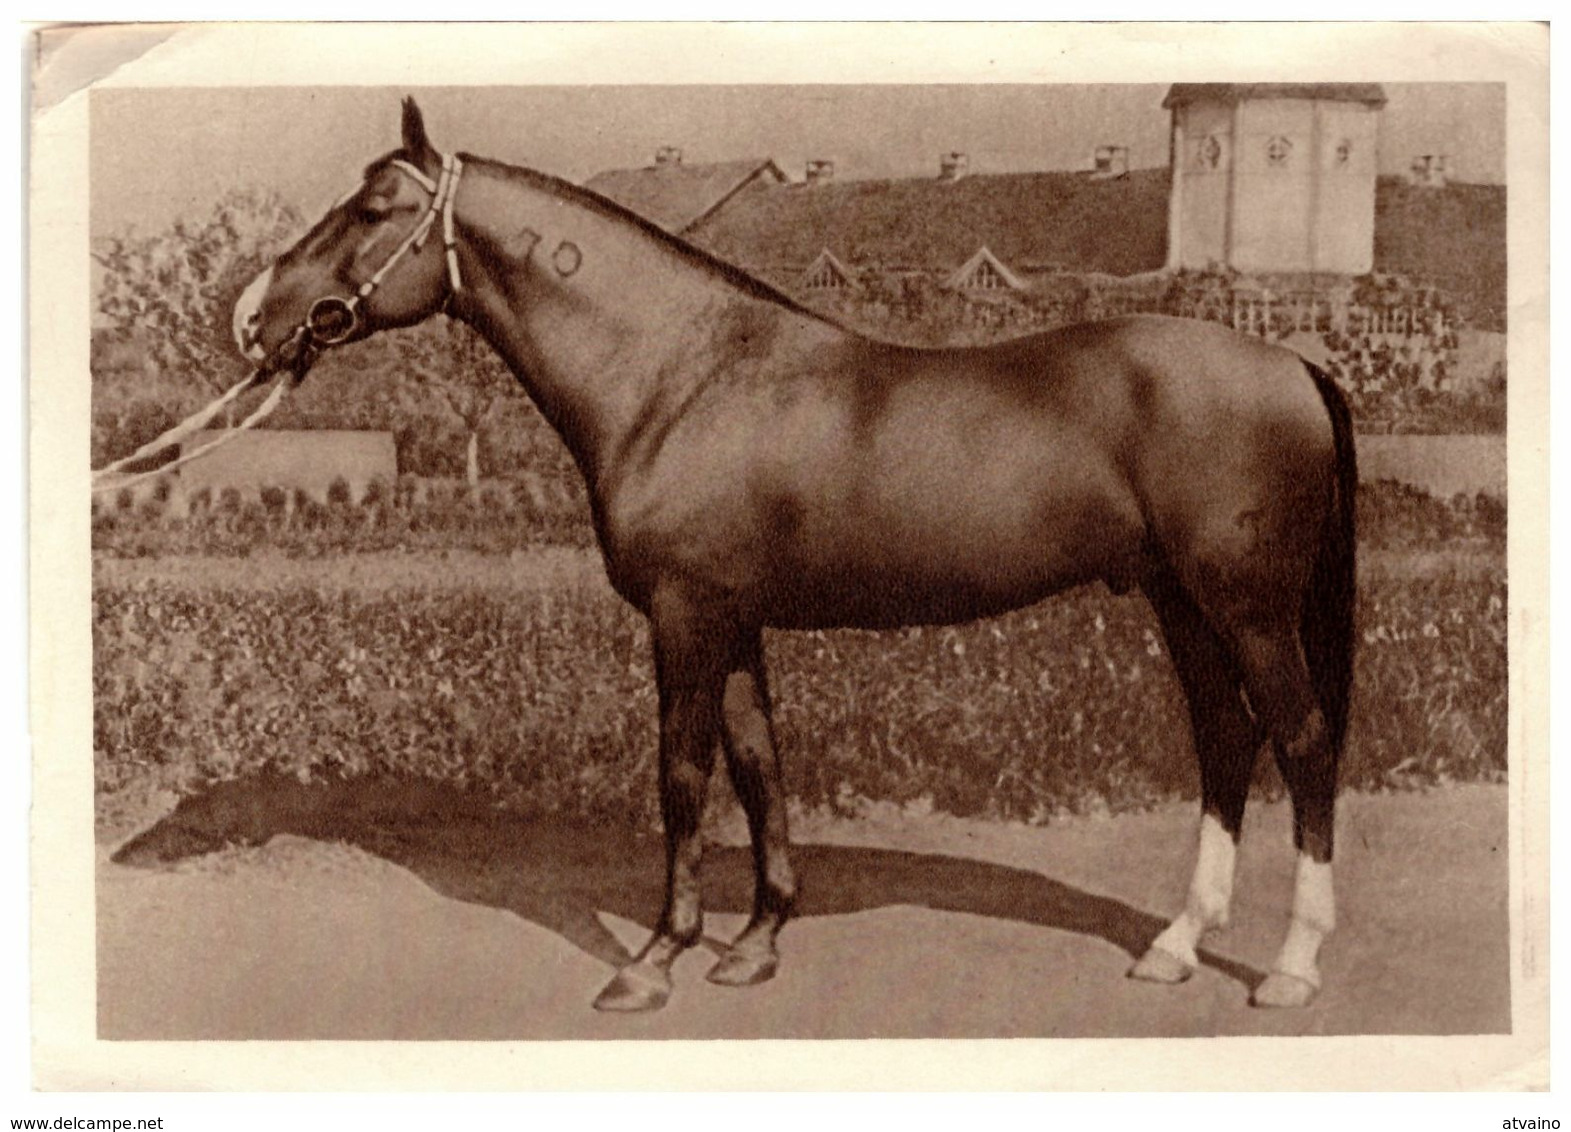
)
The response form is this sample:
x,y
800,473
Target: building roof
x,y
1030,221
1181,94
1453,238
678,195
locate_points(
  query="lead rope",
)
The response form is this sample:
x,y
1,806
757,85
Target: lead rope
x,y
443,191
185,428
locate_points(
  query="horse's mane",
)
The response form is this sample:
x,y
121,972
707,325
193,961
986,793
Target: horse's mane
x,y
692,253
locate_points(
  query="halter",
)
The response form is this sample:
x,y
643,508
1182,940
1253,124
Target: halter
x,y
332,319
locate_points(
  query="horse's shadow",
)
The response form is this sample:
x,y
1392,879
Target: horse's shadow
x,y
561,874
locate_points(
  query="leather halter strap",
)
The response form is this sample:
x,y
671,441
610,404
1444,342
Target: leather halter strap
x,y
443,190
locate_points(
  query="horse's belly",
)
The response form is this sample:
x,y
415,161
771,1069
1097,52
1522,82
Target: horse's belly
x,y
876,570
880,600
942,532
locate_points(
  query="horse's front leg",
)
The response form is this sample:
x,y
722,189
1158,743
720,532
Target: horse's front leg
x,y
754,762
690,663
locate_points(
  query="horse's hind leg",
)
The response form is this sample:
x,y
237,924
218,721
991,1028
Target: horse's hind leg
x,y
1227,742
754,762
691,654
1278,681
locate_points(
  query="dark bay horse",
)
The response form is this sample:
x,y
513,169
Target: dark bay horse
x,y
752,463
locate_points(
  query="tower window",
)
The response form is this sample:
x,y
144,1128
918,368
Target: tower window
x,y
1278,150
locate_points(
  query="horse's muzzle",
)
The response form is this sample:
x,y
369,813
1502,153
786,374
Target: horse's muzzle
x,y
297,353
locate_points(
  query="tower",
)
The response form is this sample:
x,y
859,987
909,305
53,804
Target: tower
x,y
1273,177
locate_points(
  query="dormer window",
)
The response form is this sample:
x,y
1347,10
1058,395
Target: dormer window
x,y
986,278
826,274
984,272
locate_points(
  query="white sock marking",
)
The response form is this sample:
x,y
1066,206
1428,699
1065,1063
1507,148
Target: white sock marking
x,y
1210,893
1314,918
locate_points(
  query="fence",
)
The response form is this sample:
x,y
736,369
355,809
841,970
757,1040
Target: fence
x,y
310,462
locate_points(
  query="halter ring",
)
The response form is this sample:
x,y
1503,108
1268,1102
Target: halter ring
x,y
329,312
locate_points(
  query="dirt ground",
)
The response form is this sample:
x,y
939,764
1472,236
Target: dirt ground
x,y
270,910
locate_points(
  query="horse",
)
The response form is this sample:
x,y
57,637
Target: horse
x,y
753,464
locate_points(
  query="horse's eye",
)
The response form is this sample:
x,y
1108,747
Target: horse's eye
x,y
368,215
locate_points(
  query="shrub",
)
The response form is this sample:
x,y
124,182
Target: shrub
x,y
547,702
411,513
1392,514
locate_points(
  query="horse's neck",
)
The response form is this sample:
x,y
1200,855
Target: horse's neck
x,y
602,323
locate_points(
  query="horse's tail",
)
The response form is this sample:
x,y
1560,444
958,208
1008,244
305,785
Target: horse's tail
x,y
1327,625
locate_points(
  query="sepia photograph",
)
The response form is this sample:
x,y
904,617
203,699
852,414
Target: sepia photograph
x,y
948,554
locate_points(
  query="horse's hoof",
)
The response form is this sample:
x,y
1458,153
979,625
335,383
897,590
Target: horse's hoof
x,y
1282,990
739,969
635,988
1159,966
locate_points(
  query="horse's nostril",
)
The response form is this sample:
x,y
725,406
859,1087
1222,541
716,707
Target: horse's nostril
x,y
251,339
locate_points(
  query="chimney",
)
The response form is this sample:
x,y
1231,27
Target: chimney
x,y
952,166
819,170
1430,170
668,155
1110,162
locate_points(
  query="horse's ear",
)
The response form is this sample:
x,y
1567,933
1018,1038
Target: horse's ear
x,y
416,144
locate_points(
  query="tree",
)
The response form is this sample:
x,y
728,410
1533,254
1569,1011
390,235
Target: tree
x,y
175,289
447,357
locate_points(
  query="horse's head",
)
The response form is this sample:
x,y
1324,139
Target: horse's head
x,y
374,261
